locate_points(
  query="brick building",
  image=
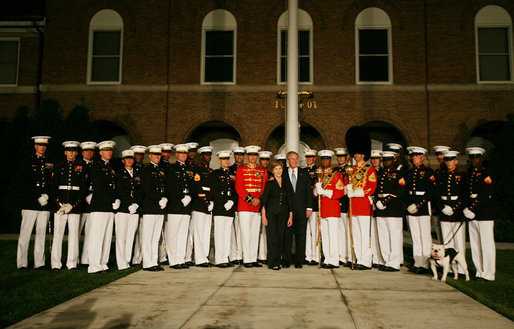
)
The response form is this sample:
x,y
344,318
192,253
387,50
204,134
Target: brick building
x,y
415,72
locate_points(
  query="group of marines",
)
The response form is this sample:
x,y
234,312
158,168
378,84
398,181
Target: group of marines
x,y
163,212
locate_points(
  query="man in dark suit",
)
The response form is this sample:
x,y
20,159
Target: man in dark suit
x,y
300,183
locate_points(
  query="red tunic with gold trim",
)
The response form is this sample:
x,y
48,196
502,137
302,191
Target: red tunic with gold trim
x,y
250,181
333,181
364,176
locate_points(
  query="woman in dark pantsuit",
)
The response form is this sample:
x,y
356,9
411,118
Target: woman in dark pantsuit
x,y
277,213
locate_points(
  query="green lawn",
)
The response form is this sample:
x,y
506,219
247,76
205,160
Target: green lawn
x,y
27,293
497,295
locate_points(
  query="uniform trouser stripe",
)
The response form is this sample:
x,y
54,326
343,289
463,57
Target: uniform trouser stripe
x,y
448,229
29,218
249,223
177,238
125,229
151,226
421,239
222,234
390,238
100,238
483,250
329,238
60,221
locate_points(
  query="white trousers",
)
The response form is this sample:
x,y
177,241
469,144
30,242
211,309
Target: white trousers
x,y
125,229
85,224
99,240
329,239
249,223
483,250
138,256
448,229
177,238
201,236
151,226
375,244
222,233
190,242
235,240
28,219
162,245
361,240
421,239
73,221
263,244
344,243
311,239
390,233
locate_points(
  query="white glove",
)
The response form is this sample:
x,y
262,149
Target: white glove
x,y
468,213
116,204
163,202
43,200
228,205
447,210
211,205
326,193
358,193
318,188
67,208
412,209
89,197
380,205
185,200
61,209
350,192
347,188
133,208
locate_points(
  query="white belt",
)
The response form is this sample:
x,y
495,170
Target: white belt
x,y
473,196
69,188
417,192
206,188
383,195
453,197
253,190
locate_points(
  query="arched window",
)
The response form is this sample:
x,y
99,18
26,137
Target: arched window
x,y
493,35
304,47
219,29
105,48
373,47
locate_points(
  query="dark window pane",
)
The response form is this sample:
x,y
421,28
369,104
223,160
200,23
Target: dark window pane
x,y
283,42
283,69
304,70
494,67
9,52
303,43
219,69
373,42
8,74
373,68
219,43
493,40
106,43
105,69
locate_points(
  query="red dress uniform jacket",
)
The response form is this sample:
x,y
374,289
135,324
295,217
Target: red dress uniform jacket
x,y
364,176
332,180
250,181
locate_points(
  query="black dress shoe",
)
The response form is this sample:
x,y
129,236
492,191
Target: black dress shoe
x,y
361,267
256,264
348,264
230,264
375,266
329,266
158,268
184,266
413,269
286,265
203,265
391,269
23,269
176,267
222,265
56,270
73,269
313,263
151,269
262,261
298,266
190,263
248,265
421,270
381,267
275,268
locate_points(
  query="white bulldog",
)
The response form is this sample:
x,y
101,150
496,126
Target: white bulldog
x,y
439,256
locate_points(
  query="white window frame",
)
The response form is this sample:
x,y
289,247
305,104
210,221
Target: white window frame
x,y
304,24
211,27
490,24
372,26
17,62
104,28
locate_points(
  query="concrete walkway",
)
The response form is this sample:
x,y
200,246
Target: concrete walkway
x,y
261,298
